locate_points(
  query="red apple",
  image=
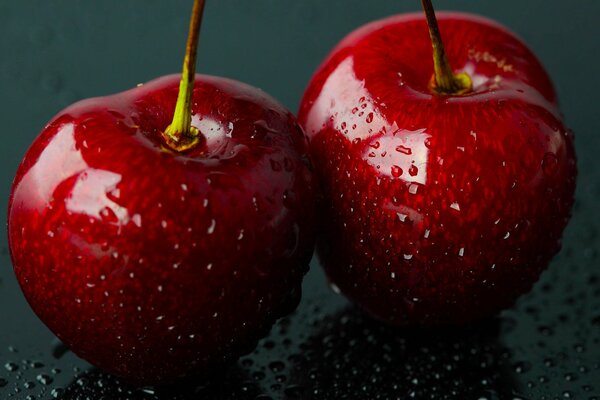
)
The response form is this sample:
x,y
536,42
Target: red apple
x,y
156,263
443,200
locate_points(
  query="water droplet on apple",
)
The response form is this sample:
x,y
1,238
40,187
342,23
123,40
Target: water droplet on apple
x,y
396,171
108,215
211,228
369,118
413,170
404,150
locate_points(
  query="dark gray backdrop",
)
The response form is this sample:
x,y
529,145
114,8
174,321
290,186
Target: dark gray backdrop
x,y
53,53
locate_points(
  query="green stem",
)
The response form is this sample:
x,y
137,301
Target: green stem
x,y
181,135
444,79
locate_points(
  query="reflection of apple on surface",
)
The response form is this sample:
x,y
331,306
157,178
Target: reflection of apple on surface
x,y
444,197
156,261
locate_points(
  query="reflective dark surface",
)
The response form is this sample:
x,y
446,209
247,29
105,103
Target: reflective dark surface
x,y
546,347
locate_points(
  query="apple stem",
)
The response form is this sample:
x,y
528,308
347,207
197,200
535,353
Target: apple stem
x,y
444,80
181,135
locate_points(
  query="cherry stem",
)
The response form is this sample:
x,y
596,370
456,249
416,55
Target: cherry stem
x,y
444,80
181,135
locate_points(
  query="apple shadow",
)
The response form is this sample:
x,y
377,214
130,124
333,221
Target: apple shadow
x,y
228,384
355,357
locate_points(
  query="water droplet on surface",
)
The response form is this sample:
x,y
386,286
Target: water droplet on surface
x,y
404,150
396,171
369,118
211,228
413,170
276,366
550,164
11,367
44,379
335,288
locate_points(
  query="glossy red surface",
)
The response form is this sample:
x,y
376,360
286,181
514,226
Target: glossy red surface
x,y
156,265
437,209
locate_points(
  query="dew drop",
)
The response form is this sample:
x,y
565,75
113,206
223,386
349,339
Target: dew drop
x,y
413,170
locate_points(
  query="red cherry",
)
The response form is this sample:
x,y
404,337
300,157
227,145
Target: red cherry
x,y
442,204
156,264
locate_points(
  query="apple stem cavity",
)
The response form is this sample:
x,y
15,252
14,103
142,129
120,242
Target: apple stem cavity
x,y
444,80
180,135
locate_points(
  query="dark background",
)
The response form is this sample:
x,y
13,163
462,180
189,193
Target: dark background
x,y
53,53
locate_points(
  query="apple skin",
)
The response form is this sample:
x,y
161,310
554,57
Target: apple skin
x,y
437,209
155,265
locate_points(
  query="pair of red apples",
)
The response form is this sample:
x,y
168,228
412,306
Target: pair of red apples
x,y
161,231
